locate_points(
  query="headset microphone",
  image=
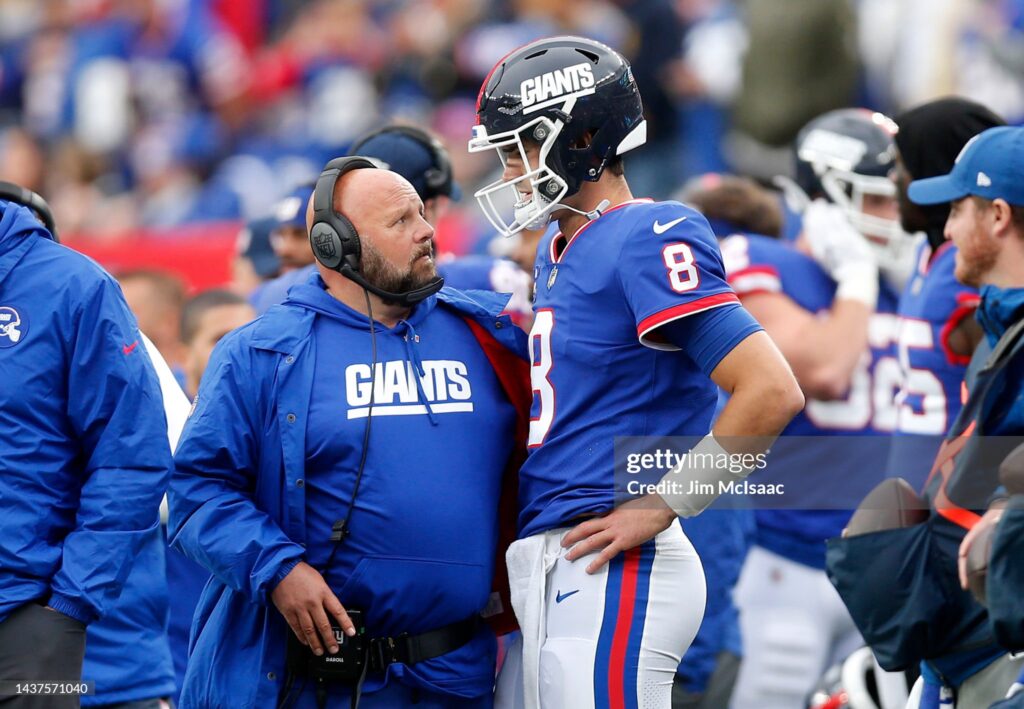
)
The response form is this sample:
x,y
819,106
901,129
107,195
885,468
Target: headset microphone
x,y
408,298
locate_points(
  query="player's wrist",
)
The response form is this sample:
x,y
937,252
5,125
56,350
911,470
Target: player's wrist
x,y
701,476
662,508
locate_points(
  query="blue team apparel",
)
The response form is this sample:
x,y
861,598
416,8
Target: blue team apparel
x,y
275,290
478,272
931,306
127,651
74,379
599,296
466,273
824,481
988,167
185,582
249,500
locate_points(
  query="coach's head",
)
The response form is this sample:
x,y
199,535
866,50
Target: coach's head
x,y
368,232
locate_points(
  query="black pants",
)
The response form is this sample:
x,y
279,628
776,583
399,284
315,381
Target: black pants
x,y
719,689
42,645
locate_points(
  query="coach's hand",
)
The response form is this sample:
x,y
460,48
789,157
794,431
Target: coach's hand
x,y
625,527
305,599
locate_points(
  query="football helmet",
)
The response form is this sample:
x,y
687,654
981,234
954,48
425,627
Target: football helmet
x,y
846,155
574,98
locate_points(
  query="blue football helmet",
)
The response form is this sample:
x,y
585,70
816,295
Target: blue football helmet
x,y
845,156
575,98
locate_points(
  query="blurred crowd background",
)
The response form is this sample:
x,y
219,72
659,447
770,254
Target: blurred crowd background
x,y
167,116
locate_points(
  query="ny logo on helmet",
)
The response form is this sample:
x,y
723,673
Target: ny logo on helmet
x,y
576,80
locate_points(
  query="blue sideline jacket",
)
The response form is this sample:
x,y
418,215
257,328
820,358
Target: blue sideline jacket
x,y
238,504
85,454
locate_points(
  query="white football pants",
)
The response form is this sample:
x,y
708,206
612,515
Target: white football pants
x,y
794,627
613,639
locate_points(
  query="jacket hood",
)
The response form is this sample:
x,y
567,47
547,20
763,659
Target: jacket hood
x,y
19,230
999,309
18,223
275,330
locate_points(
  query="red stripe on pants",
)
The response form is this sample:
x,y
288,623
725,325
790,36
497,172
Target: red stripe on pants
x,y
623,623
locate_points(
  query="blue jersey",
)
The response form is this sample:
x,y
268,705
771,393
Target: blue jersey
x,y
820,496
595,372
929,399
500,275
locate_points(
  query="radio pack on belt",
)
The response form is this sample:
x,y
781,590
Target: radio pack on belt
x,y
361,654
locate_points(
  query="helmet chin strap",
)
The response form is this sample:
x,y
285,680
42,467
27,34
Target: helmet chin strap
x,y
592,214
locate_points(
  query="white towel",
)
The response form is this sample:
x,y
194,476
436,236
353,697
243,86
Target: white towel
x,y
529,561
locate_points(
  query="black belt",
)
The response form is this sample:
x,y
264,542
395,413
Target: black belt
x,y
410,649
380,653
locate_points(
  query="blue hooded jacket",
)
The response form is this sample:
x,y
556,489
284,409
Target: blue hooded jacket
x,y
85,453
127,651
238,506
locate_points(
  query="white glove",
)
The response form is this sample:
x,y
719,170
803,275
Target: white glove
x,y
842,251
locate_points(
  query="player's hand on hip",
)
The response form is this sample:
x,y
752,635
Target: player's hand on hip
x,y
305,600
625,527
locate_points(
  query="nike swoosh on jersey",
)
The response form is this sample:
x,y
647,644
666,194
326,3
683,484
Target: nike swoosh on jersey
x,y
662,228
559,596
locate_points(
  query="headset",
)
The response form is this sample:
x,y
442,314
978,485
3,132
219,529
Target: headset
x,y
335,241
27,198
438,178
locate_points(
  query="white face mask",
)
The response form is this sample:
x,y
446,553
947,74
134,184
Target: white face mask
x,y
894,247
502,198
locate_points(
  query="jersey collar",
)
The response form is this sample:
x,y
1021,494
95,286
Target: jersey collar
x,y
552,246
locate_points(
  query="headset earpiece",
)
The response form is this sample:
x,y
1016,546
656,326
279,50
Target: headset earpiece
x,y
27,198
333,237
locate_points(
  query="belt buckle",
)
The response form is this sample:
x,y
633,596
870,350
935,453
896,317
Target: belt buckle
x,y
382,653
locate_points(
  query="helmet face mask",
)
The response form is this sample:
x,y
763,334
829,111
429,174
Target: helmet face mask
x,y
573,99
849,190
893,246
846,156
546,187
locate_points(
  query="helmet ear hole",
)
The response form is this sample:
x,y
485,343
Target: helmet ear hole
x,y
584,141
